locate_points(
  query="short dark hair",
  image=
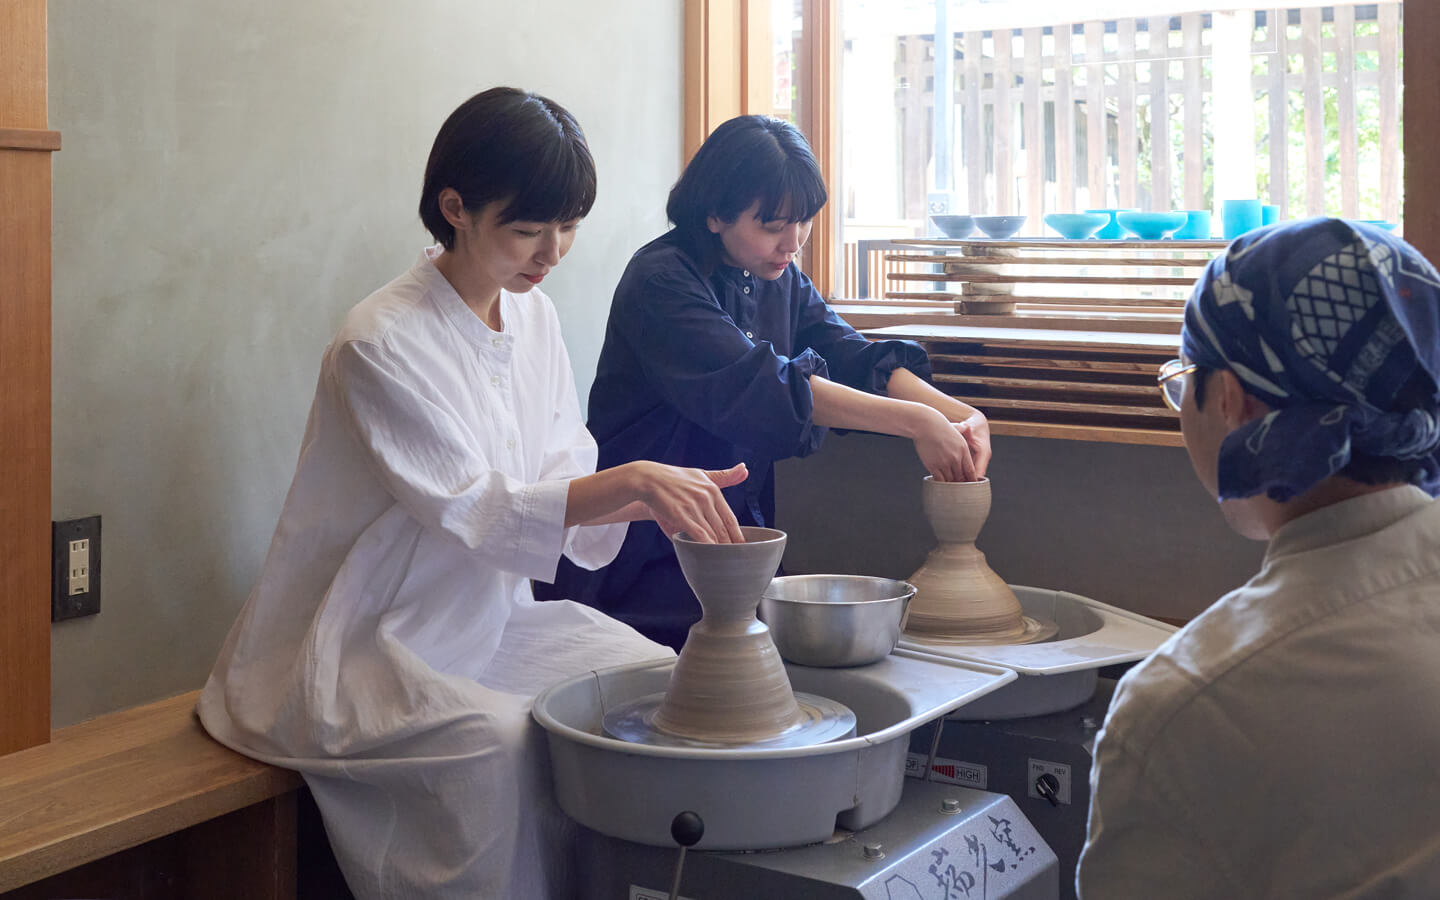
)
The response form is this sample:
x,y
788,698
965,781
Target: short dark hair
x,y
746,160
1417,393
514,146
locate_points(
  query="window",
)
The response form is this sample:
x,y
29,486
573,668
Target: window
x,y
1024,108
1299,106
1039,111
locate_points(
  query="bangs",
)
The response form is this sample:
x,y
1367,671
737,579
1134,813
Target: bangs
x,y
795,193
561,186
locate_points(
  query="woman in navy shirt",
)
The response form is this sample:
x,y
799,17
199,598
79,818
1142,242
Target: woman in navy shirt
x,y
720,351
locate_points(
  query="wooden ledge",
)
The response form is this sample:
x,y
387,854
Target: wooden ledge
x,y
29,139
117,782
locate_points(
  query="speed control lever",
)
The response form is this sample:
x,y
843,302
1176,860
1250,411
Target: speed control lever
x,y
687,829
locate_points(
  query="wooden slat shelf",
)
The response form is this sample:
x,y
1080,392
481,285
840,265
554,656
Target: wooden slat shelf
x,y
1110,434
1080,365
1164,346
1211,247
1018,278
1158,262
865,315
1096,385
1176,303
1145,392
987,403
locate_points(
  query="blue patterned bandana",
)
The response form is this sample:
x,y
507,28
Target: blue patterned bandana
x,y
1324,320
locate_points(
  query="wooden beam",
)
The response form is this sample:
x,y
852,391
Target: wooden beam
x,y
1064,121
757,58
821,83
29,139
1389,39
1034,134
24,379
1095,116
713,68
1345,101
1422,118
1160,195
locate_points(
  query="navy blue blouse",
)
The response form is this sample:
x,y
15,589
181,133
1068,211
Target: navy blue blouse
x,y
708,372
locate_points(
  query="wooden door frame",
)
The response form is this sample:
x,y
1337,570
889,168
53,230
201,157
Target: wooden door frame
x,y
25,146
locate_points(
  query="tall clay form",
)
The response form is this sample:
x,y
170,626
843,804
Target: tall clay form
x,y
958,596
729,684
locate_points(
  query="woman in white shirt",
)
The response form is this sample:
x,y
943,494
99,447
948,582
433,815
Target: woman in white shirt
x,y
391,647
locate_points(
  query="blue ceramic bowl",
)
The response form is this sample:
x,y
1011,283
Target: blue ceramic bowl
x,y
1112,230
954,226
999,227
1151,226
1077,226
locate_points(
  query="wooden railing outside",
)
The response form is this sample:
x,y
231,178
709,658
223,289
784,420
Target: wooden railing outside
x,y
1062,117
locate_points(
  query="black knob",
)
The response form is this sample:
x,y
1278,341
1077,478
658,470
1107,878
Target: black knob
x,y
687,829
1048,786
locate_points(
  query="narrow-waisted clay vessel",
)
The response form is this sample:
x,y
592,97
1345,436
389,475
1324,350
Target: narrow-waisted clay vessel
x,y
729,684
957,595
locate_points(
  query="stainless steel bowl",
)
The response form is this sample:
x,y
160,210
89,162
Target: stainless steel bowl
x,y
835,620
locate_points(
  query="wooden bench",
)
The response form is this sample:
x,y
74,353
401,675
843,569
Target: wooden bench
x,y
143,803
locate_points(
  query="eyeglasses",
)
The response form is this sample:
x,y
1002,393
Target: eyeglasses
x,y
1172,381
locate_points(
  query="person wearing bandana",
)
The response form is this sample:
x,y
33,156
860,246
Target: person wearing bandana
x,y
1285,742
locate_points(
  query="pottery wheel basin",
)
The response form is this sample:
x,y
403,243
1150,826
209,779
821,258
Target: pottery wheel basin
x,y
750,798
1062,672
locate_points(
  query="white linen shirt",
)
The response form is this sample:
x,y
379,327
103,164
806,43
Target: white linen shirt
x,y
392,643
1285,743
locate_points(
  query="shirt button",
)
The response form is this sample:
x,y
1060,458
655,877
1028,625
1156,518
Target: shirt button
x,y
750,334
747,290
495,380
510,444
498,341
747,273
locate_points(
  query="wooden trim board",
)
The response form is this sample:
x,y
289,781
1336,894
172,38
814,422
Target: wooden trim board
x,y
29,139
24,379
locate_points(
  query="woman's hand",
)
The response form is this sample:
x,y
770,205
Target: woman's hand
x,y
976,430
689,500
944,447
971,422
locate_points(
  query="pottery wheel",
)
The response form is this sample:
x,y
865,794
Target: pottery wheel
x,y
821,721
1034,631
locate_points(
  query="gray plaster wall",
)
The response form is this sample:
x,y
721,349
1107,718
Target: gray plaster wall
x,y
1127,525
234,177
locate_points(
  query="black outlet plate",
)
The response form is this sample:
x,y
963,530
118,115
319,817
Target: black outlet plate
x,y
64,605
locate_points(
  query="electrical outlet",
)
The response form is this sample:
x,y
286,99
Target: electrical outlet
x,y
75,568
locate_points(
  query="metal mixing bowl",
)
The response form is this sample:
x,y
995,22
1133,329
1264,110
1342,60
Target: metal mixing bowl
x,y
835,620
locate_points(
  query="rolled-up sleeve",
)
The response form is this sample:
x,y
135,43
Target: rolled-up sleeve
x,y
854,360
696,358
